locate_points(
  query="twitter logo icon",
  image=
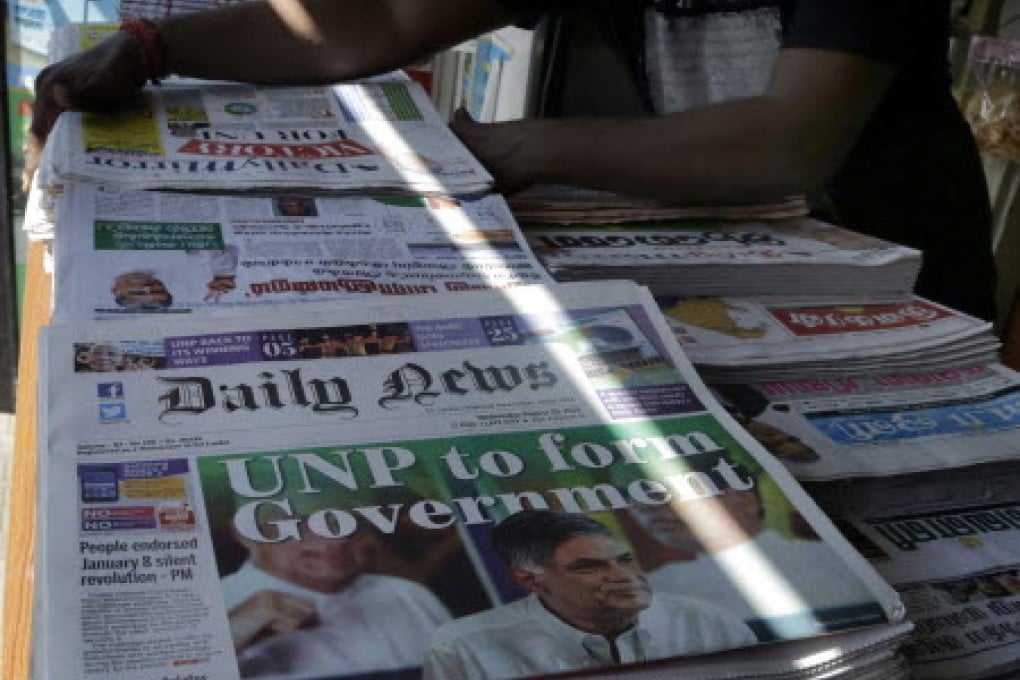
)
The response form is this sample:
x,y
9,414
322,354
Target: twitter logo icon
x,y
108,412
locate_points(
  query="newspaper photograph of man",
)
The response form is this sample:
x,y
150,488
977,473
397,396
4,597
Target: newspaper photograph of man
x,y
140,291
715,562
109,357
589,605
308,607
306,601
294,206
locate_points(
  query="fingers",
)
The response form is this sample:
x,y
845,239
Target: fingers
x,y
269,610
462,123
461,116
292,612
499,147
107,77
33,155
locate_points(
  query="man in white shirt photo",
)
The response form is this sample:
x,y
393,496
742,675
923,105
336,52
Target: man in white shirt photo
x,y
785,582
308,608
590,605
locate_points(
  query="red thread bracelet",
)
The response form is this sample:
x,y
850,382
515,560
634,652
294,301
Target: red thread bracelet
x,y
150,44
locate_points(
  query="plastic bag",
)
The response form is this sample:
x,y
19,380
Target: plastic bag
x,y
990,95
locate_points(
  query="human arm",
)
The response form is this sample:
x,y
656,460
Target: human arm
x,y
789,140
268,611
319,41
266,42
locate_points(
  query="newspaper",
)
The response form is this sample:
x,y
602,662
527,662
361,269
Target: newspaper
x,y
372,135
364,491
955,562
884,425
122,252
713,257
562,204
759,337
158,9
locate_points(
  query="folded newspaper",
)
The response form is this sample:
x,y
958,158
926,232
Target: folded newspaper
x,y
950,544
856,426
525,482
121,252
372,135
159,9
746,339
562,204
699,257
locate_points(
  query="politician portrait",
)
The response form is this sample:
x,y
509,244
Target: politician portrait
x,y
308,595
589,605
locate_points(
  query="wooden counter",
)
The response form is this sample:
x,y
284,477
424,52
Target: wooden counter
x,y
19,572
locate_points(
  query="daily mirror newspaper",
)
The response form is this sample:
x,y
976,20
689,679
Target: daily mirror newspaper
x,y
523,482
121,252
381,135
834,428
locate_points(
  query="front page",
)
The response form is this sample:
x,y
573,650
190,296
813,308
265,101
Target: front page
x,y
380,134
295,515
122,252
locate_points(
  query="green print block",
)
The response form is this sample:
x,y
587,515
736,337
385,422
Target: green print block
x,y
400,101
118,235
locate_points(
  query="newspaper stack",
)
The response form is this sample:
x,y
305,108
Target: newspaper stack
x,y
39,213
785,257
949,543
367,136
159,9
220,501
379,134
853,426
748,339
561,204
122,252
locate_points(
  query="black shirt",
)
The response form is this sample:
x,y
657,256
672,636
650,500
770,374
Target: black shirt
x,y
914,176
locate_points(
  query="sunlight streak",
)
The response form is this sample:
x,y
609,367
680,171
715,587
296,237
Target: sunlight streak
x,y
296,18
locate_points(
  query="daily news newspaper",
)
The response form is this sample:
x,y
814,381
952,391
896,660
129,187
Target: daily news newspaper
x,y
121,252
954,557
834,428
240,507
381,134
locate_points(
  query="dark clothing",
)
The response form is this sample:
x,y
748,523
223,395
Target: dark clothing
x,y
914,177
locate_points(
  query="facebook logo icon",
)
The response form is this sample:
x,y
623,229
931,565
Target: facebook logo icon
x,y
110,390
108,412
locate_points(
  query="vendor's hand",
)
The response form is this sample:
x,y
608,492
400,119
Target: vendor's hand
x,y
268,611
507,150
107,77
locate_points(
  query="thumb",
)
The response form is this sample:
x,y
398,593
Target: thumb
x,y
462,120
461,115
